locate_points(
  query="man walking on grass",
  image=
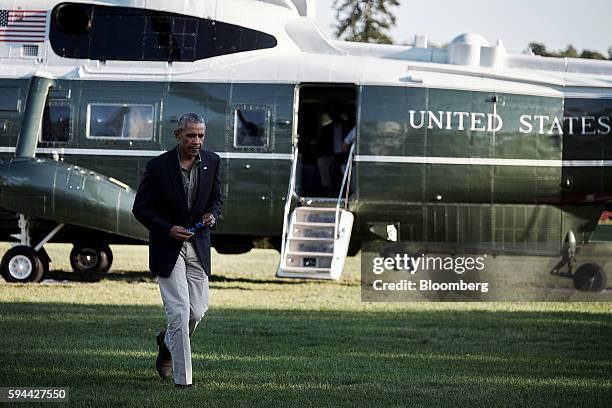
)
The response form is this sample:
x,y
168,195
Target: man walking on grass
x,y
179,189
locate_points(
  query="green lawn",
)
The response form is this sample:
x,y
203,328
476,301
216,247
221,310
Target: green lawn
x,y
269,342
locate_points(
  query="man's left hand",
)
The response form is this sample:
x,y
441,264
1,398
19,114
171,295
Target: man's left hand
x,y
209,220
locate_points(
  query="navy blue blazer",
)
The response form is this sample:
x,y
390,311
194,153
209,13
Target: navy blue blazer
x,y
160,204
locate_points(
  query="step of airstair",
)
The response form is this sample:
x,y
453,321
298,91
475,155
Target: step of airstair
x,y
316,244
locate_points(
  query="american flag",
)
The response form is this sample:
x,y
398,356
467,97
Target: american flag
x,y
23,26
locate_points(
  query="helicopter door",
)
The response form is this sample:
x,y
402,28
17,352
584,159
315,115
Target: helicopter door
x,y
326,115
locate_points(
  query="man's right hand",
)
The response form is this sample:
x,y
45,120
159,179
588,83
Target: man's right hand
x,y
180,233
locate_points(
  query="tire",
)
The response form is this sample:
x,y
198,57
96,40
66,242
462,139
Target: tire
x,y
21,264
109,257
86,258
590,277
45,265
44,258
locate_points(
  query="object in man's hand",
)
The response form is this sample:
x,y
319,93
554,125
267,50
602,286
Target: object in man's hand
x,y
195,227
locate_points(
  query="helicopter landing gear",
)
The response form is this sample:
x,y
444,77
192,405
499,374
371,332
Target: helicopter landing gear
x,y
88,258
587,277
590,277
23,262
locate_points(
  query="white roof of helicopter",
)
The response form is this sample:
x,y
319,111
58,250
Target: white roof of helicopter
x,y
305,54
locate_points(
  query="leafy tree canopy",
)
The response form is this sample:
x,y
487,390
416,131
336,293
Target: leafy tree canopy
x,y
365,20
570,52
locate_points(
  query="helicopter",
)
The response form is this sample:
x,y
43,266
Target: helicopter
x,y
462,144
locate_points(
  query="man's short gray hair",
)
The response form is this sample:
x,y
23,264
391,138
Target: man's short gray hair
x,y
190,117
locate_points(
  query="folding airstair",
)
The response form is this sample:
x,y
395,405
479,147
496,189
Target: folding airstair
x,y
315,239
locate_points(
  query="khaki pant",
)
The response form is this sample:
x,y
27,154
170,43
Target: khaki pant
x,y
185,297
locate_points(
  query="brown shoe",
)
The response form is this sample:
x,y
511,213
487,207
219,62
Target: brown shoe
x,y
163,363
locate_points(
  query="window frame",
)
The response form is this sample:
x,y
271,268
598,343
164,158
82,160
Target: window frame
x,y
268,130
123,104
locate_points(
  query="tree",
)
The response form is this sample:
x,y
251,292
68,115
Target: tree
x,y
592,55
365,20
539,49
570,52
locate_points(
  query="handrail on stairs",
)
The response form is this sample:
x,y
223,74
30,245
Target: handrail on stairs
x,y
290,194
345,186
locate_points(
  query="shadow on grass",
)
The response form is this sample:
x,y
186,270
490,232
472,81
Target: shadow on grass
x,y
267,358
132,277
61,275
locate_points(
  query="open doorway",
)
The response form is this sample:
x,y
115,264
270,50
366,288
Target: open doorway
x,y
326,117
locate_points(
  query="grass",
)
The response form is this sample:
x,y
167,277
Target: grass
x,y
269,342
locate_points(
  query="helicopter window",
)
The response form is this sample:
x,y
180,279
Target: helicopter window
x,y
56,123
10,100
120,121
251,127
88,31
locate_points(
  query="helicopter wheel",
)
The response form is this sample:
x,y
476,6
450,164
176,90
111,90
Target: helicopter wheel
x,y
21,264
87,258
590,277
109,257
